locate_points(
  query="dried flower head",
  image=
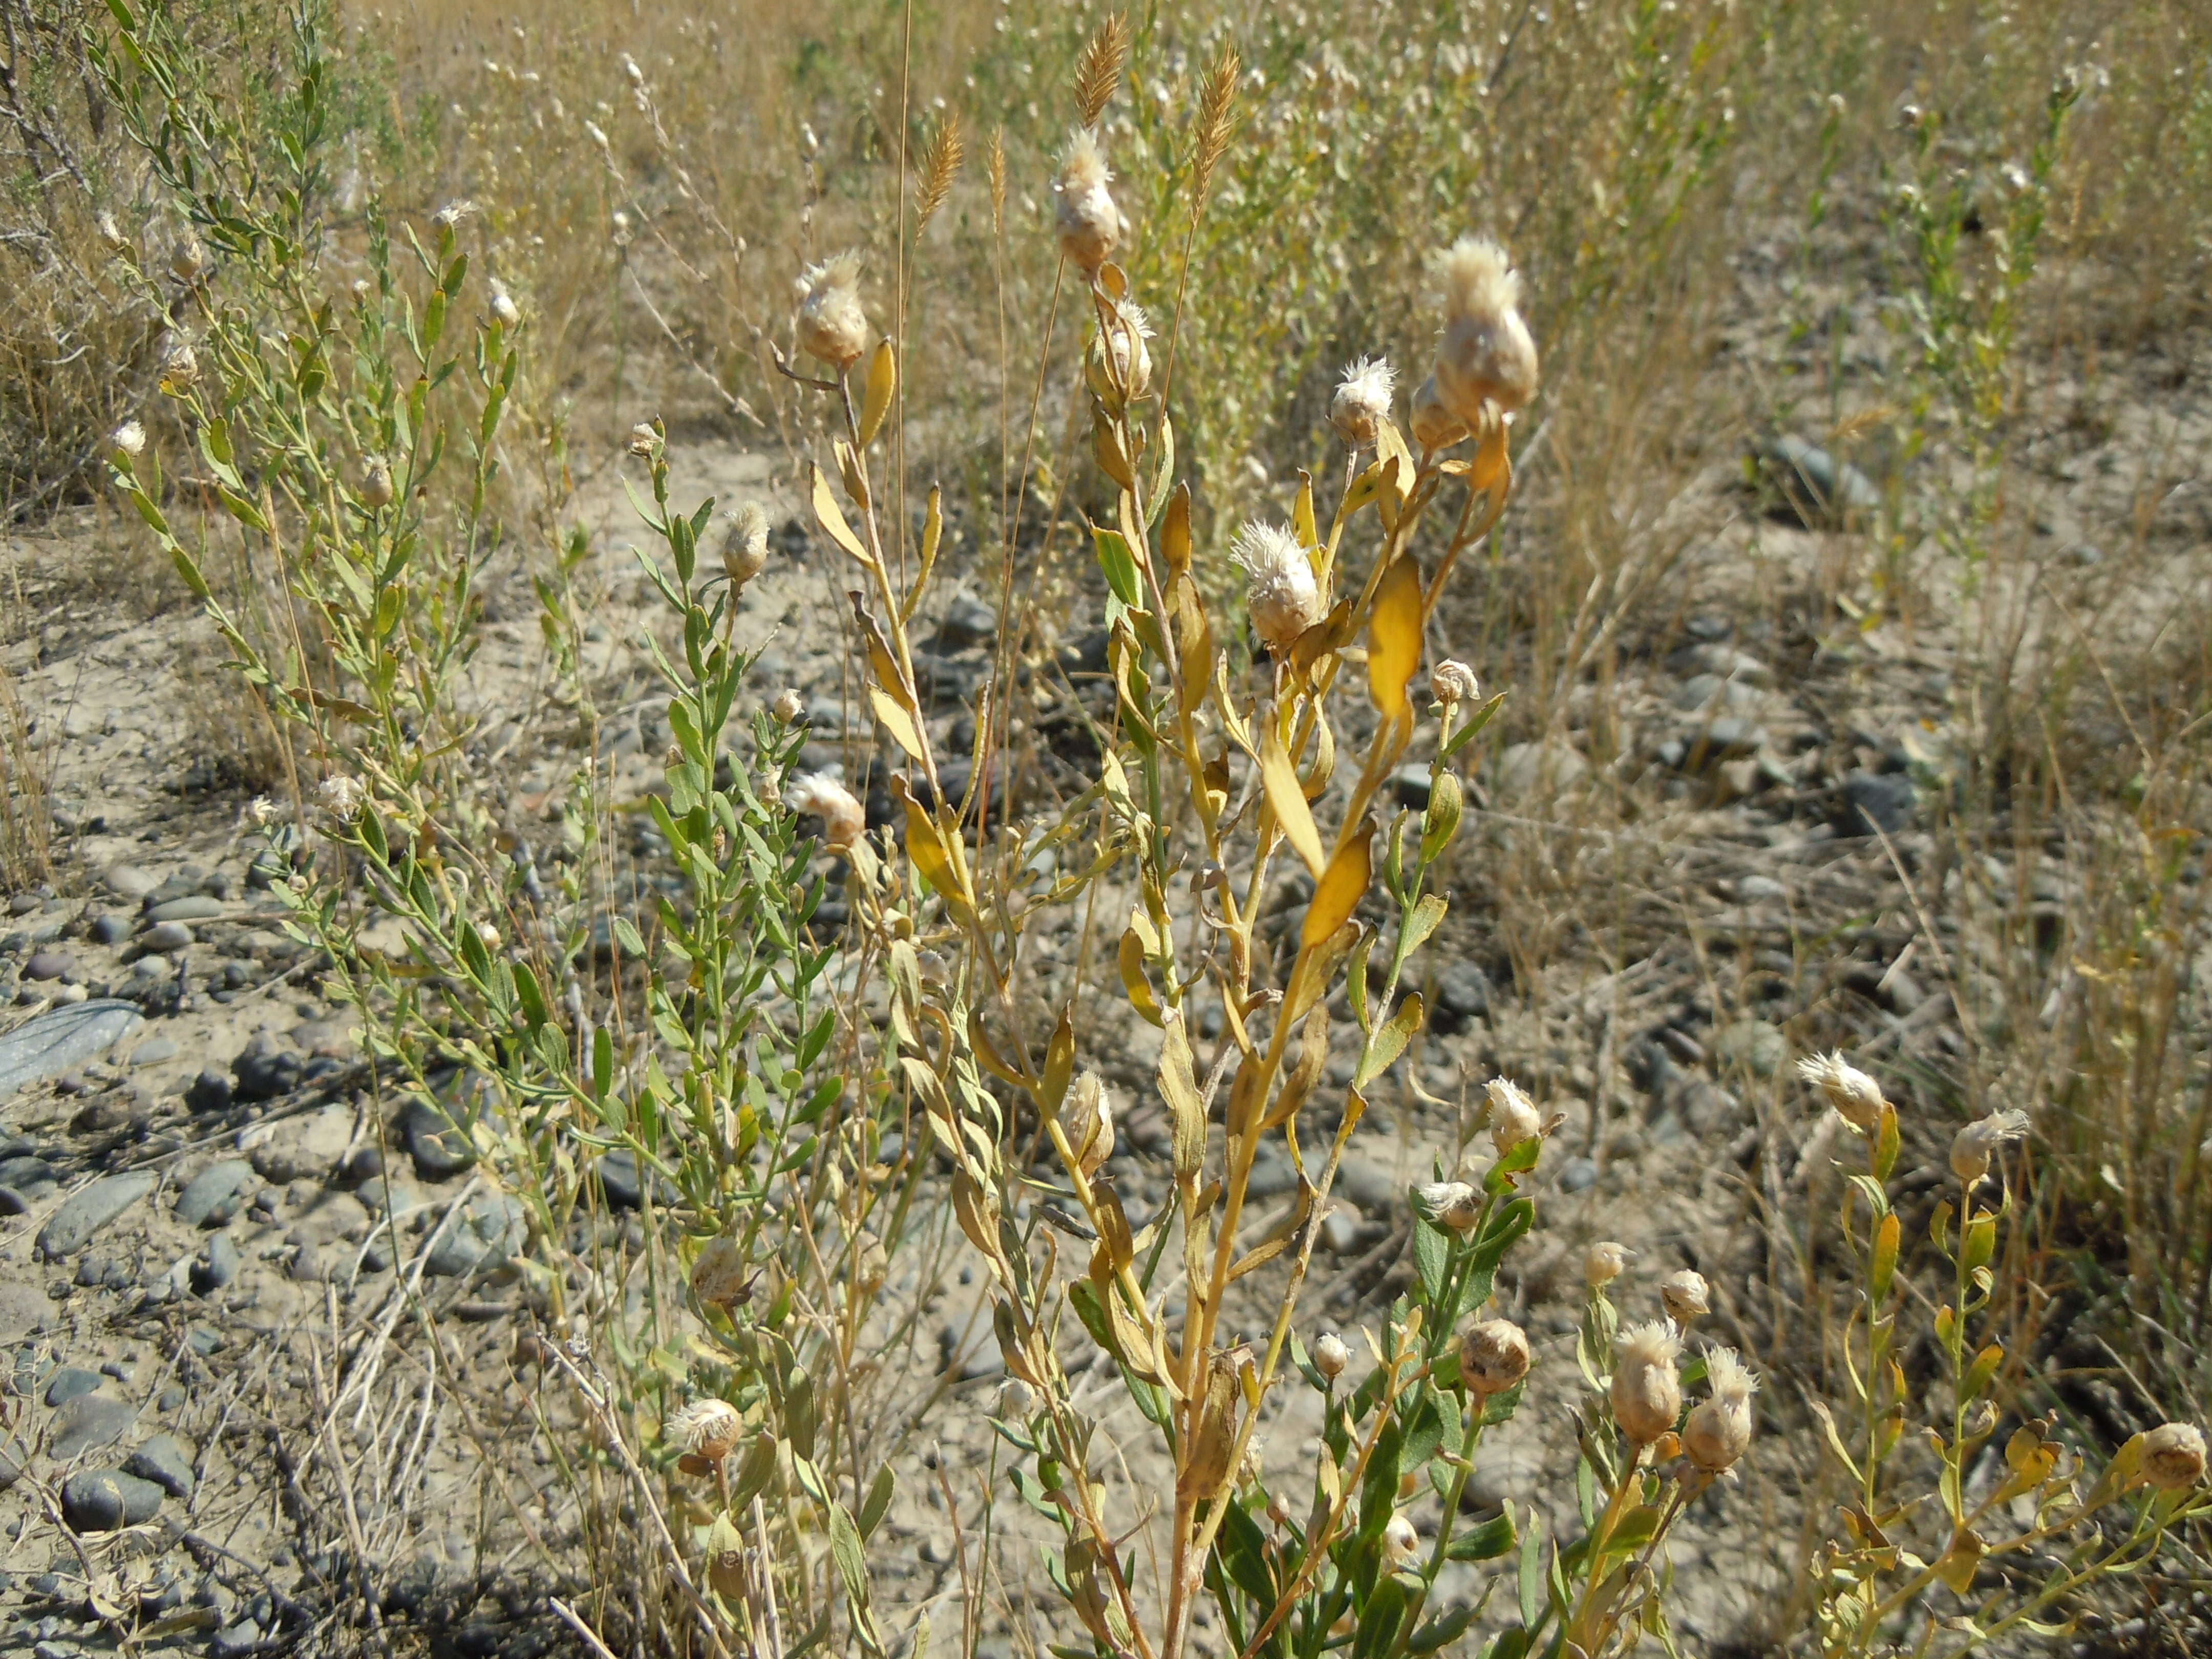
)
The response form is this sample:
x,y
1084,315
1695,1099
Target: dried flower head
x,y
831,325
1603,1261
1330,1356
1451,1204
129,439
1973,1145
1452,681
1513,1116
789,707
1434,426
1280,591
1362,402
745,547
1686,1296
1087,1120
706,1428
503,306
110,231
1486,355
188,260
1718,1429
376,481
642,437
263,811
1493,1356
719,1277
179,366
2173,1456
1856,1096
1122,340
1647,1391
1088,223
341,797
843,822
1401,1543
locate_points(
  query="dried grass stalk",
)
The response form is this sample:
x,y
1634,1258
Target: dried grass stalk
x,y
940,165
1098,70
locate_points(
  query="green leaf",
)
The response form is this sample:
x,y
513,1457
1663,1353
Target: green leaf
x,y
1486,1542
1120,566
1378,1492
1242,1549
602,1064
1432,1257
879,1500
1529,1583
1447,1626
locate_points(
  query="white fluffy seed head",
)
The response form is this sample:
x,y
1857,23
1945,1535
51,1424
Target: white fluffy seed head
x,y
1603,1261
1493,1356
1718,1430
1486,355
1856,1096
843,822
789,707
1330,1356
503,306
744,549
1972,1147
1362,402
1686,1296
1513,1116
706,1428
1280,591
1126,332
1434,426
1088,223
2173,1456
129,439
831,325
1647,1390
341,797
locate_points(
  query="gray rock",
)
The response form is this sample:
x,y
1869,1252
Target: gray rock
x,y
69,1381
966,624
85,1214
1340,1232
128,881
166,936
86,1422
1577,1174
1369,1186
264,1071
478,1238
1761,890
50,964
1712,691
211,1092
160,1050
163,1460
107,1500
212,1196
110,929
1409,785
1872,799
1732,734
193,907
217,1265
1753,1044
1821,491
1462,994
1273,1175
967,1348
62,1037
236,1641
27,1173
440,1150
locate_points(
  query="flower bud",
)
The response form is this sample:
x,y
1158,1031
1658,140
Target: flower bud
x,y
1434,426
1450,1204
503,306
110,231
2173,1456
1686,1296
1330,1356
1718,1429
831,325
376,481
744,549
341,797
1400,1542
1647,1391
789,707
1973,1145
1453,681
1279,592
129,439
1856,1096
1121,363
1603,1262
1513,1116
1088,223
1493,1357
706,1428
1362,402
843,822
1486,355
642,437
1440,819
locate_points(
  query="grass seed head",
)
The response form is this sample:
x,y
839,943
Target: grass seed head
x,y
1856,1096
1647,1390
1486,355
843,822
1686,1296
1279,590
744,549
1493,1357
1363,400
1099,69
1972,1147
1603,1261
1718,1430
1089,224
831,325
940,165
1434,426
2173,1456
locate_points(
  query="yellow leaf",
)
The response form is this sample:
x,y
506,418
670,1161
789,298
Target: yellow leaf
x,y
883,381
1389,447
1287,799
1394,638
1111,460
831,517
1311,975
1135,980
1960,1562
896,720
1059,1063
1179,1088
932,532
1175,533
1302,514
925,848
1343,885
856,478
1193,638
1390,1041
1324,767
881,663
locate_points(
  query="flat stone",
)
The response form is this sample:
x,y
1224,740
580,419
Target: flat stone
x,y
211,1197
305,1149
85,1214
23,1309
69,1381
211,1092
50,964
194,907
966,624
1368,1186
440,1150
160,1049
86,1422
107,1500
163,1460
166,936
1872,799
110,929
264,1071
1463,993
53,1041
128,881
482,1237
